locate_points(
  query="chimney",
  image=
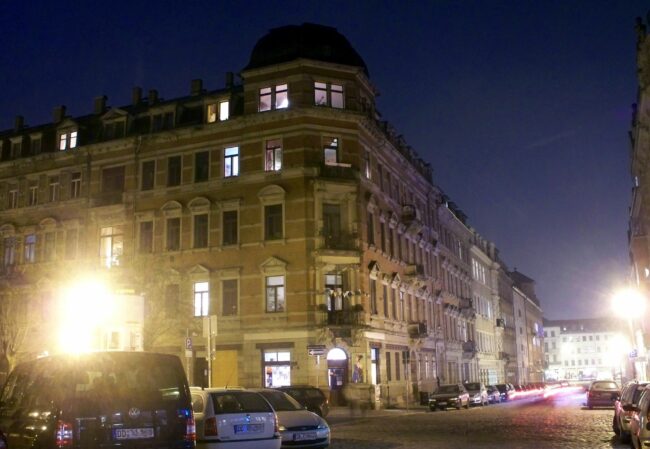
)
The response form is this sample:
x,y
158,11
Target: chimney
x,y
136,96
100,104
19,123
153,96
58,113
196,87
229,79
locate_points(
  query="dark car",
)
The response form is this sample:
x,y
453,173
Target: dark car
x,y
603,393
505,390
98,400
450,395
310,397
630,395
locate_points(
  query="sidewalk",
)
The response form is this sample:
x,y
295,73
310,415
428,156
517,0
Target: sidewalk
x,y
340,414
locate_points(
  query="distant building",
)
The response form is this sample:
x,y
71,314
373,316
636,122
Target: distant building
x,y
529,330
585,349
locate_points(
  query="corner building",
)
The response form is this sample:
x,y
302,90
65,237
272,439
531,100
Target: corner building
x,y
263,222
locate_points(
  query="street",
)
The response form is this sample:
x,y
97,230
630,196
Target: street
x,y
557,423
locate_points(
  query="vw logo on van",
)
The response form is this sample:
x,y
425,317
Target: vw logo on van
x,y
134,412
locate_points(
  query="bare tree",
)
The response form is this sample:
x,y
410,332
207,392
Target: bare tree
x,y
15,324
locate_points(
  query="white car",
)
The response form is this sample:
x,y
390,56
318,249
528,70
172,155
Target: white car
x,y
300,428
234,419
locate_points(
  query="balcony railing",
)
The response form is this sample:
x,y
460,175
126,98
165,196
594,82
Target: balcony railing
x,y
417,330
348,317
338,171
339,241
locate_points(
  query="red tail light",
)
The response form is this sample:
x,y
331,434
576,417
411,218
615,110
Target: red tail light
x,y
64,434
190,425
276,427
210,427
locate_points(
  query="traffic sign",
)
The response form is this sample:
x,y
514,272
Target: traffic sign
x,y
188,343
316,349
633,353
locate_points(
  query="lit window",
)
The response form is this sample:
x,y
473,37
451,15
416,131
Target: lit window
x,y
273,158
275,97
275,301
201,299
330,150
326,94
224,110
211,113
231,162
367,166
67,140
111,246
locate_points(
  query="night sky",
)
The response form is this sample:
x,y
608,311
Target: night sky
x,y
522,108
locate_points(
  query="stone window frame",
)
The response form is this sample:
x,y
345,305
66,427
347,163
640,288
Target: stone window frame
x,y
172,209
269,196
200,206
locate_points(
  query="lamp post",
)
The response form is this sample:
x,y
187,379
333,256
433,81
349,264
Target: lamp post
x,y
629,303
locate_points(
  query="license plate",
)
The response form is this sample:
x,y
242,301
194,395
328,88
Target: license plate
x,y
249,428
304,436
133,434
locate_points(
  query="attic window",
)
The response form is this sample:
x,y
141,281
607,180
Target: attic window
x,y
67,140
274,97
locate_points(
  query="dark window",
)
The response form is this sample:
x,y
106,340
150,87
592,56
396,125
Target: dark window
x,y
229,297
173,171
373,296
385,292
201,166
75,185
201,231
230,227
397,367
146,237
273,222
173,234
371,229
113,180
148,175
332,222
50,246
389,374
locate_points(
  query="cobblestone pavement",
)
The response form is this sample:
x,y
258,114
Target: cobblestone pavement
x,y
561,423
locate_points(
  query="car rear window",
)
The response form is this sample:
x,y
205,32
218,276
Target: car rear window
x,y
448,389
238,402
281,402
604,386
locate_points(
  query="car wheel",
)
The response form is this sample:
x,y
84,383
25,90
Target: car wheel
x,y
432,409
615,427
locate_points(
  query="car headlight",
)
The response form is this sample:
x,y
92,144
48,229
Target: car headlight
x,y
281,428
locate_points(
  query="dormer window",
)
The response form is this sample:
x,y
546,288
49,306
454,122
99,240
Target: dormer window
x,y
35,145
220,110
326,94
114,129
16,147
67,140
161,121
274,97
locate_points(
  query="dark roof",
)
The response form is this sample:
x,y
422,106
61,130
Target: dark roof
x,y
309,41
586,325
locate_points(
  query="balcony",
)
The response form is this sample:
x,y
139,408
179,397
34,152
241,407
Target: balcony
x,y
414,271
417,330
501,323
411,218
469,349
338,171
339,241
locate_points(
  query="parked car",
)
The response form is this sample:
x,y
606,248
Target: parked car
x,y
108,400
506,391
630,395
478,394
602,393
234,419
311,397
494,395
299,427
450,395
3,441
639,429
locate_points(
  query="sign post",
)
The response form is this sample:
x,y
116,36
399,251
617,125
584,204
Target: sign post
x,y
316,350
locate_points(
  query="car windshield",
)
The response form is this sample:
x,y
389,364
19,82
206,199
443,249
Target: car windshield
x,y
604,386
473,386
280,401
448,389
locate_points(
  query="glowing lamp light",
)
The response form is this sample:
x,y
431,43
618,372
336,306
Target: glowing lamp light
x,y
628,303
83,309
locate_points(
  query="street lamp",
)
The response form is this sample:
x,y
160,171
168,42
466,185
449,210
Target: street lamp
x,y
629,303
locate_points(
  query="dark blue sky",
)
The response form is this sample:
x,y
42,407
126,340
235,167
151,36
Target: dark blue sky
x,y
522,108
